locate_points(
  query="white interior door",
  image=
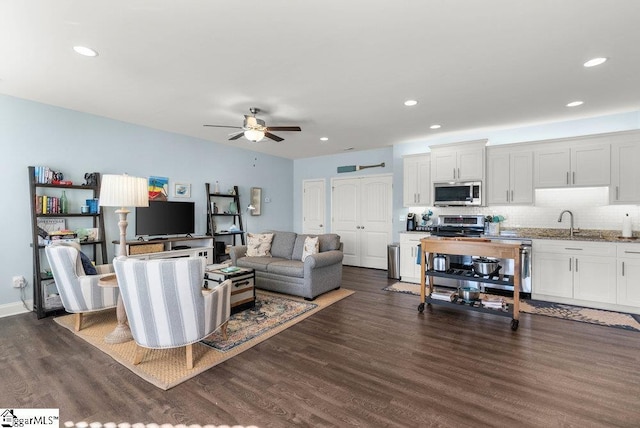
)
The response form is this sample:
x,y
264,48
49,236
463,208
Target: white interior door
x,y
375,221
313,206
344,217
361,211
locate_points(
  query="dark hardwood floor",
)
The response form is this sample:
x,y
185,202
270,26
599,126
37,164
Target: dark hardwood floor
x,y
370,360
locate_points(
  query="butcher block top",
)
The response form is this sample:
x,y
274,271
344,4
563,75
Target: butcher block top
x,y
471,247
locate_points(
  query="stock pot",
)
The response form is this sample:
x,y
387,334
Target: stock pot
x,y
485,265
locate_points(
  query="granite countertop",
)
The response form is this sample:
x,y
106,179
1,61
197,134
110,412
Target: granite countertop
x,y
593,235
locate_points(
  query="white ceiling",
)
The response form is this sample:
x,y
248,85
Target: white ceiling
x,y
340,69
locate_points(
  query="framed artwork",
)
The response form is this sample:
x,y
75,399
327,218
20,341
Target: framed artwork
x,y
158,188
182,190
256,197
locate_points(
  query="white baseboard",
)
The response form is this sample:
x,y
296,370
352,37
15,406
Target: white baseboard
x,y
13,309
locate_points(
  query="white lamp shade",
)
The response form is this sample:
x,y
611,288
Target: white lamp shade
x,y
124,191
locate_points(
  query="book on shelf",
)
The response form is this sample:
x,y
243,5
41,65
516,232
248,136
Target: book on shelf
x,y
47,226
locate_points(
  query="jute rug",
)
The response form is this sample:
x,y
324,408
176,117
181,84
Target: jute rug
x,y
166,368
555,310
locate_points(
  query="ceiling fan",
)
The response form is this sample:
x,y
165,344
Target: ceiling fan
x,y
255,129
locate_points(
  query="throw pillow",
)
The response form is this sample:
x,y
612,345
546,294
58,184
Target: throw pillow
x,y
89,268
259,244
311,246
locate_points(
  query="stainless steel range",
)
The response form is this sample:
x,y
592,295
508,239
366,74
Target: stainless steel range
x,y
461,267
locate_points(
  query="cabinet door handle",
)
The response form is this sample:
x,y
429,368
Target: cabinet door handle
x,y
622,268
575,249
418,195
567,177
570,259
458,172
631,252
576,265
574,177
617,193
454,173
512,196
507,196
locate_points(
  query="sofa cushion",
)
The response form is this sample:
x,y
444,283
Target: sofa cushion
x,y
311,246
298,247
257,263
329,242
282,244
294,268
259,244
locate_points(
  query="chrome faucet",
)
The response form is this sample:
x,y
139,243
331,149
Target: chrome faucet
x,y
571,221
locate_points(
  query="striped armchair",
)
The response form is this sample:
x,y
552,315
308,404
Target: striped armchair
x,y
79,293
166,305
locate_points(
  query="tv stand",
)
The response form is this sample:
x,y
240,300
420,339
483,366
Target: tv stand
x,y
165,248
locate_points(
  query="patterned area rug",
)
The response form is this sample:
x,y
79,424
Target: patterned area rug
x,y
555,310
270,312
166,368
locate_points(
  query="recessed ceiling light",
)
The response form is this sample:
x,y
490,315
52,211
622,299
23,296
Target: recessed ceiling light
x,y
436,126
324,138
575,103
83,50
410,103
595,61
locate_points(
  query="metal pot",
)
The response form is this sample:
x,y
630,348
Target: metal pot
x,y
485,265
440,263
469,293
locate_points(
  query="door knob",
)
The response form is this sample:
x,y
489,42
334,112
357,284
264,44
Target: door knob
x,y
320,226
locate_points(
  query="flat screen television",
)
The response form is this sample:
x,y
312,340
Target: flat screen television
x,y
165,218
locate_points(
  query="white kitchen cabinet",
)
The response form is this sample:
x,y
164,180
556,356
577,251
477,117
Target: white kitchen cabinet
x,y
628,282
417,180
579,272
509,177
571,164
625,171
459,162
409,269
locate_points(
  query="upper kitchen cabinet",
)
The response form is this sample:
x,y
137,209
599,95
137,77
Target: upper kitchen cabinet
x,y
574,162
458,162
509,176
625,170
417,180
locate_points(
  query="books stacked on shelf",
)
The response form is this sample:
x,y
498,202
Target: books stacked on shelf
x,y
493,302
48,205
443,294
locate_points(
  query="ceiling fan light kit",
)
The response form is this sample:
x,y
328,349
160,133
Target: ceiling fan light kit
x,y
254,129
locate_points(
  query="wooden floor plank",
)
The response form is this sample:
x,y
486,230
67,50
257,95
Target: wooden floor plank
x,y
368,360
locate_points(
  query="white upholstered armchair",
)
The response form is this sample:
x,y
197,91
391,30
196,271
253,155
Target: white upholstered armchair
x,y
166,305
79,293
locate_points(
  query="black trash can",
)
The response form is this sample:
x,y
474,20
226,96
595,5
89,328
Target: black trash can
x,y
393,260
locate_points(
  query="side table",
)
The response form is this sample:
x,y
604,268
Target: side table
x,y
122,332
243,292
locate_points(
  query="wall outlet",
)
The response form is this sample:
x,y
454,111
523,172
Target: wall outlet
x,y
19,281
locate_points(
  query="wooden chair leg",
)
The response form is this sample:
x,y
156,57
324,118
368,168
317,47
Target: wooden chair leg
x,y
138,355
189,351
223,330
78,321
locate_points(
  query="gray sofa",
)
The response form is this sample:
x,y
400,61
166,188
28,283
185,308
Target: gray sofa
x,y
285,272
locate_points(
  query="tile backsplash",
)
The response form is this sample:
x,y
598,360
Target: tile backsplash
x,y
589,207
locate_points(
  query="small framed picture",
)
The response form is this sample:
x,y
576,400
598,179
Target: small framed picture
x,y
182,190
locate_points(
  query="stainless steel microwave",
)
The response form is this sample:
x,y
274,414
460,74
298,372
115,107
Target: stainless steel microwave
x,y
458,194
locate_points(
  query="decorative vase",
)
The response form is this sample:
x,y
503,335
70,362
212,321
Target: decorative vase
x,y
233,209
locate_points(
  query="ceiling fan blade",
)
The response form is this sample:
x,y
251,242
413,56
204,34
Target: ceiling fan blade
x,y
236,135
273,137
284,128
223,126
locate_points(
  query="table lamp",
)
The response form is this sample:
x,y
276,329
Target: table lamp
x,y
123,191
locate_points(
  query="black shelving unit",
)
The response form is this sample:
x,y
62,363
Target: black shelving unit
x,y
219,244
42,280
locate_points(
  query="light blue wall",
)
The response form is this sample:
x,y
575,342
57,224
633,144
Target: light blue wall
x,y
74,143
325,167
